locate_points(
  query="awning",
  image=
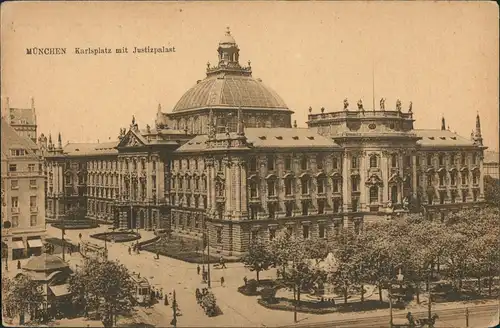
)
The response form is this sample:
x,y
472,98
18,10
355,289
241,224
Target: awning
x,y
35,243
18,244
60,290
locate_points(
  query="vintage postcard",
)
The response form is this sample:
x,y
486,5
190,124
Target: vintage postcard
x,y
250,164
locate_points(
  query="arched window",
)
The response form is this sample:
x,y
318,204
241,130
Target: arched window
x,y
374,194
321,184
373,161
305,185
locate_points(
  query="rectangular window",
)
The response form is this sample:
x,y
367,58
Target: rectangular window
x,y
15,221
335,163
289,230
463,159
288,163
304,163
354,162
336,205
305,208
253,164
32,201
321,206
407,161
319,162
288,186
12,167
321,231
321,185
15,201
271,208
429,160
31,167
354,204
305,232
394,160
417,160
289,209
14,184
355,184
270,163
33,220
335,185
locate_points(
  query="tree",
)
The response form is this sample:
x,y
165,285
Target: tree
x,y
298,273
492,190
258,258
105,286
22,294
345,274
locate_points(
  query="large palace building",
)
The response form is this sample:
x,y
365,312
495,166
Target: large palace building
x,y
229,160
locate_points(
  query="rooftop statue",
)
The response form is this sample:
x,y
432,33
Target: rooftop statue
x,y
360,105
346,104
398,105
382,104
410,107
148,128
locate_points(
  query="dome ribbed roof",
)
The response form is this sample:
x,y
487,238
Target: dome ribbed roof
x,y
230,91
45,262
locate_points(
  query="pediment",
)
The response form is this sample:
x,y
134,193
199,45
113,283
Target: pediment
x,y
395,178
130,140
374,179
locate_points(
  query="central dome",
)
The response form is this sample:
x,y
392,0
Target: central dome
x,y
230,91
229,85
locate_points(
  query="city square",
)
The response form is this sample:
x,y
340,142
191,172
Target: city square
x,y
229,207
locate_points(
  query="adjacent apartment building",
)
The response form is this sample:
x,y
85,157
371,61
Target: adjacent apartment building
x,y
23,181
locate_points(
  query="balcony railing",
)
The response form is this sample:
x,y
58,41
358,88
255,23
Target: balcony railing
x,y
33,209
15,210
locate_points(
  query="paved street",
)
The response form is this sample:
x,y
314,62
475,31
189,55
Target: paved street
x,y
239,310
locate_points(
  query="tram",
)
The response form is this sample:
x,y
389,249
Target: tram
x,y
142,294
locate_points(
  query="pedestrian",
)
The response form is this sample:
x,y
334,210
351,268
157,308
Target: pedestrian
x,y
157,294
166,300
222,281
198,269
161,293
245,280
129,251
157,255
222,263
18,264
80,235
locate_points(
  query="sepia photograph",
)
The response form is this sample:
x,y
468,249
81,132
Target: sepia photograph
x,y
250,164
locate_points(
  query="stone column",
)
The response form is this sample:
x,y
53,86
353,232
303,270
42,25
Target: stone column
x,y
414,177
238,186
481,179
346,199
362,186
385,177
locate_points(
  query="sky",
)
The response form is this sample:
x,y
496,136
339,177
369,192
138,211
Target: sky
x,y
442,56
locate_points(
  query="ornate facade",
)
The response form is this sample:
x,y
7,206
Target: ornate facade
x,y
228,162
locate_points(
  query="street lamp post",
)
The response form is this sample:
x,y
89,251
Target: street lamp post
x,y
429,305
399,277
